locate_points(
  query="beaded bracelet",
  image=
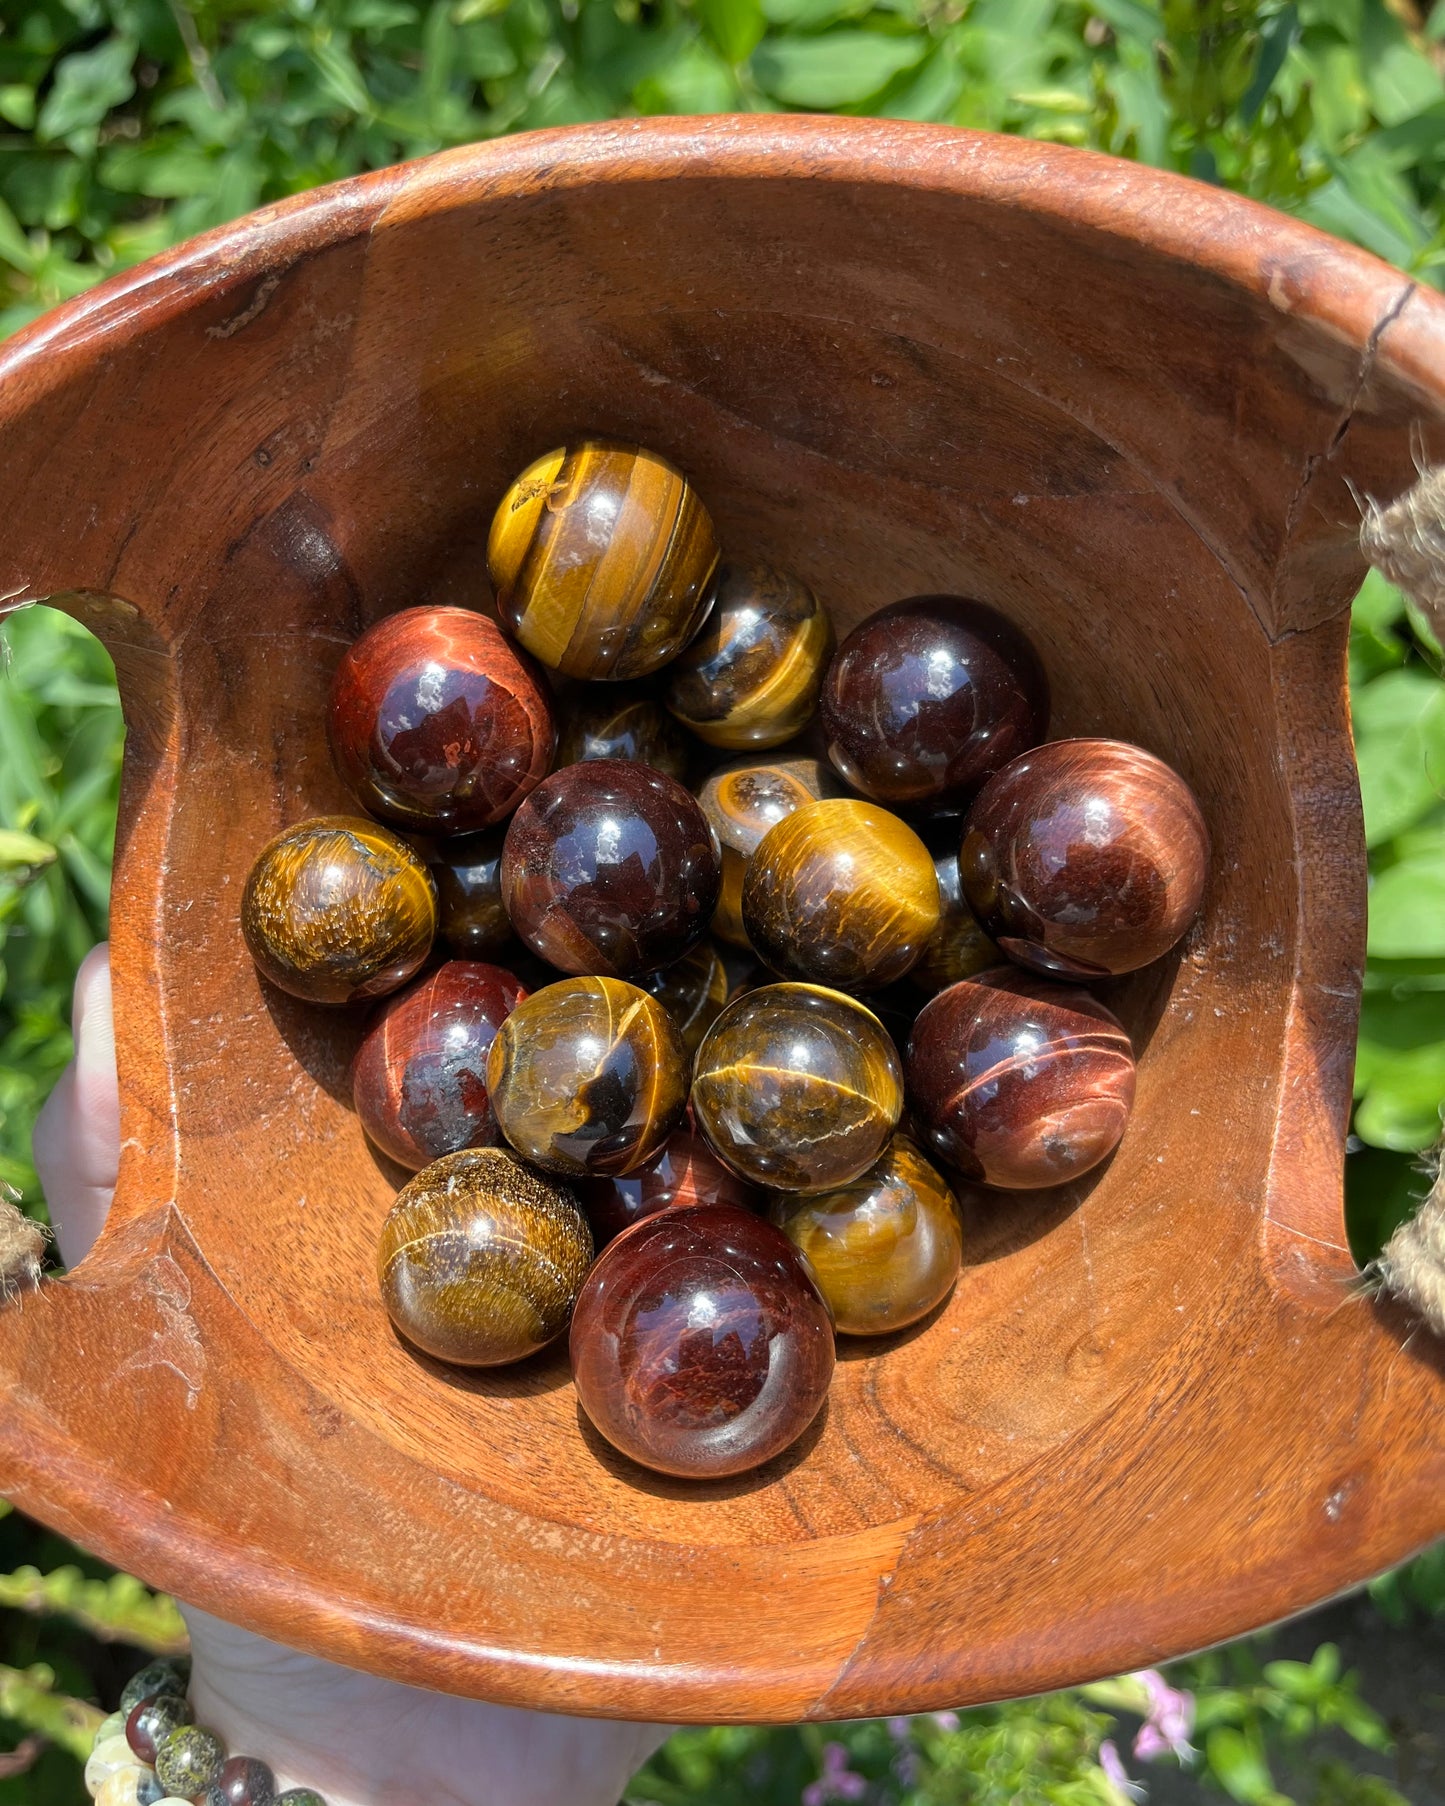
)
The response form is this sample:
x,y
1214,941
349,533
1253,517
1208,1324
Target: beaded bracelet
x,y
149,1753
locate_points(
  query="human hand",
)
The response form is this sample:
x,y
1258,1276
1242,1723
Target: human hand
x,y
358,1740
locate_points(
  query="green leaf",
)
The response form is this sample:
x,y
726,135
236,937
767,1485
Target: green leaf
x,y
18,849
17,105
1130,18
1274,46
1238,1767
839,69
1407,911
735,26
87,85
1400,749
1401,81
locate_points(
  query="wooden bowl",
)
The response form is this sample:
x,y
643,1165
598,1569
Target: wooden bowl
x,y
1158,1409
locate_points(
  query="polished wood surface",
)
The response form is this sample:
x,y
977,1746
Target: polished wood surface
x,y
1125,409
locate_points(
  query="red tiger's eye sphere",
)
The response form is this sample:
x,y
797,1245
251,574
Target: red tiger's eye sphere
x,y
610,868
926,698
840,893
337,910
419,1079
480,1258
588,1076
700,1345
1085,857
1020,1082
438,723
621,721
797,1087
685,1172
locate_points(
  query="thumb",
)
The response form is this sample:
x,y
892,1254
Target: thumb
x,y
77,1134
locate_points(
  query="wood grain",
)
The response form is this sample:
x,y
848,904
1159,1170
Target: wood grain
x,y
894,359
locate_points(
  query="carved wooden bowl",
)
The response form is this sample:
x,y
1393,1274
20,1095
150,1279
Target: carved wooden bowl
x,y
1158,1410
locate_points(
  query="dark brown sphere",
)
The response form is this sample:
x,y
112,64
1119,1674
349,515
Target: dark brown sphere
x,y
419,1079
481,1258
885,1249
958,947
840,893
588,1076
685,1172
337,910
1085,857
700,1345
621,721
797,1087
438,723
1020,1082
610,868
741,802
472,918
692,990
603,559
751,678
928,697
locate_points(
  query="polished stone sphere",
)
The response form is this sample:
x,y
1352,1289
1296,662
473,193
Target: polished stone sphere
x,y
610,868
751,677
928,697
337,910
1020,1082
1085,857
471,917
700,1344
588,1076
621,721
685,1172
797,1087
840,893
958,947
437,723
692,990
481,1258
419,1079
741,802
884,1249
603,559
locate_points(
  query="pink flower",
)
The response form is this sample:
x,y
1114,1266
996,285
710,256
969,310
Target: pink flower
x,y
899,1729
1169,1721
946,1721
1113,1767
837,1781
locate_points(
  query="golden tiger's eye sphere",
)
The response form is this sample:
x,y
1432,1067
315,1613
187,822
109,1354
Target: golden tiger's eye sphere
x,y
797,1087
753,675
603,559
884,1249
588,1076
958,947
840,893
481,1259
336,909
742,801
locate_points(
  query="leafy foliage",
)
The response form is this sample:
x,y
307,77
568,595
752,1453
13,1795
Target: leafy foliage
x,y
127,125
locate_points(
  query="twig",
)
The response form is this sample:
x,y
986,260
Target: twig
x,y
22,1758
118,1610
199,55
28,1696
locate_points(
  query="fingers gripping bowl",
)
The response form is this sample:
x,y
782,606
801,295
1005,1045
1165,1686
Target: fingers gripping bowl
x,y
1122,410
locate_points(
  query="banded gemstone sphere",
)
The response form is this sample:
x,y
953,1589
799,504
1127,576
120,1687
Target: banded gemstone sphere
x,y
419,1079
437,722
603,559
840,893
480,1258
692,990
958,947
741,802
751,677
1019,1082
797,1087
588,1076
928,697
337,910
1085,857
700,1344
471,917
685,1172
610,868
884,1249
621,721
